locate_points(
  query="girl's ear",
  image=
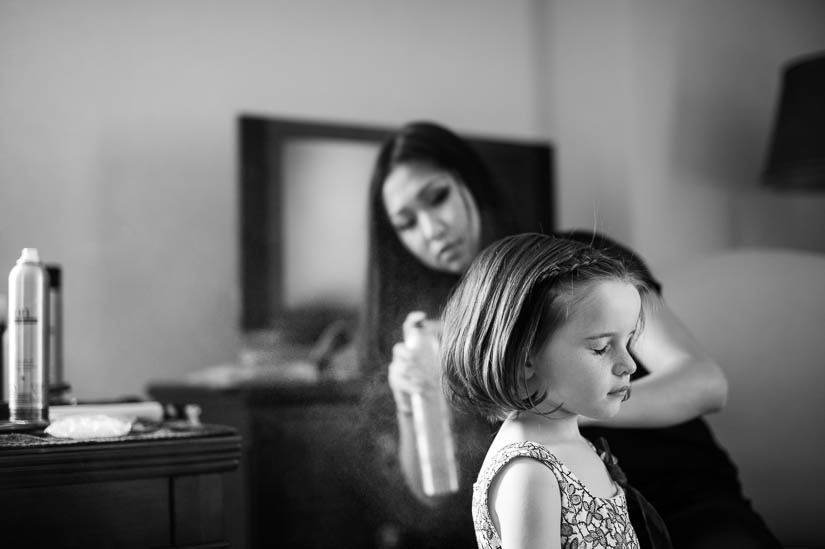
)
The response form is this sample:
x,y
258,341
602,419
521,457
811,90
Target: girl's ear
x,y
529,379
529,370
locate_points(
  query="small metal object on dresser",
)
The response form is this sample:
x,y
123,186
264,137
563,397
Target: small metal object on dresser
x,y
58,387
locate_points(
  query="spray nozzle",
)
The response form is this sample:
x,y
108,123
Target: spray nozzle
x,y
29,255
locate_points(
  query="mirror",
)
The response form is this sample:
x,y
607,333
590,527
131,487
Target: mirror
x,y
303,215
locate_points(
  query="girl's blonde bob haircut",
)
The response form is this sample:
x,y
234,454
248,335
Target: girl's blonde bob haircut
x,y
513,296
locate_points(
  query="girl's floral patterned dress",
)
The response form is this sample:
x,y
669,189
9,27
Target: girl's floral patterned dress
x,y
587,521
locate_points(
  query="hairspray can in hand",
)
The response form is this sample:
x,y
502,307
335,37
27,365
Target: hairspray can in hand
x,y
431,414
28,339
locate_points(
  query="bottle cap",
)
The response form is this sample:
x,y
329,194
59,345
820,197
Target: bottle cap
x,y
29,255
412,328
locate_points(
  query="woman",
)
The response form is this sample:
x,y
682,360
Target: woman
x,y
439,173
433,207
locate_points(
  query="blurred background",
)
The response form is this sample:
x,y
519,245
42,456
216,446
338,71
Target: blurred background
x,y
118,150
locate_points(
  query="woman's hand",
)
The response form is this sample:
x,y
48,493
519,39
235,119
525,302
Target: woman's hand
x,y
410,369
411,372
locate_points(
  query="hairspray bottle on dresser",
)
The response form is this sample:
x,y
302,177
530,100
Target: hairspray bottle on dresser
x,y
28,340
431,415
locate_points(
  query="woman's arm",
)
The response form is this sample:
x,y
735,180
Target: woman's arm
x,y
683,381
525,505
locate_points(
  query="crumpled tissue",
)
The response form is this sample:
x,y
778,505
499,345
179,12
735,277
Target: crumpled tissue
x,y
89,426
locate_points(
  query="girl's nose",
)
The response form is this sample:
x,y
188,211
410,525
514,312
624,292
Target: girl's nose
x,y
625,364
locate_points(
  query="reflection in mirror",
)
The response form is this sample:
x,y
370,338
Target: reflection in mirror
x,y
303,189
325,222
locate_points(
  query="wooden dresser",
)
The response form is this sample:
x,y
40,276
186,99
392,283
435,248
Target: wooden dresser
x,y
293,489
160,488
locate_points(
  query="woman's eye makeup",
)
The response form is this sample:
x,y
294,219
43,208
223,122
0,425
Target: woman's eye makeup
x,y
431,197
438,196
434,194
403,224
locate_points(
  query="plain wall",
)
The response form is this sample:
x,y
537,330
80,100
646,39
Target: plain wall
x,y
760,313
662,112
117,143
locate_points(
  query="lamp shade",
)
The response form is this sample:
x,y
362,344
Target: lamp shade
x,y
796,158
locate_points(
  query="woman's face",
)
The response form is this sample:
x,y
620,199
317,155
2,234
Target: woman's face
x,y
434,216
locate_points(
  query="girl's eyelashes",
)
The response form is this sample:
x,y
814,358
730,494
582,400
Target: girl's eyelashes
x,y
631,338
601,350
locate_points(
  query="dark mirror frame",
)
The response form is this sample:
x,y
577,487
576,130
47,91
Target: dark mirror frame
x,y
522,169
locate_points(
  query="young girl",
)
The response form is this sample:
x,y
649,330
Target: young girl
x,y
535,335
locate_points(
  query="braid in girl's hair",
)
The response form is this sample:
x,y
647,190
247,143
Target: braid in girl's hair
x,y
579,258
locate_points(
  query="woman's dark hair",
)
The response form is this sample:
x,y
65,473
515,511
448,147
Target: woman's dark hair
x,y
397,282
513,296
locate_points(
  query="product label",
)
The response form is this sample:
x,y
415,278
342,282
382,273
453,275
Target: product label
x,y
24,386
